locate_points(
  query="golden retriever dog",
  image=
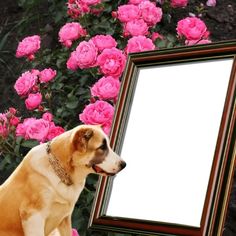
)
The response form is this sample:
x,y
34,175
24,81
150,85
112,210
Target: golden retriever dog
x,y
39,197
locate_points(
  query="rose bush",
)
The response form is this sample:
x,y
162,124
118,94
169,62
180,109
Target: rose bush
x,y
78,79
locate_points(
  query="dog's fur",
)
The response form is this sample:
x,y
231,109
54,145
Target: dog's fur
x,y
34,201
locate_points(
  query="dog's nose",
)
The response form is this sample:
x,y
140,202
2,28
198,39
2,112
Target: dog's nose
x,y
122,165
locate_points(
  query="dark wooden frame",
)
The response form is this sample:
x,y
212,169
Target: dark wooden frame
x,y
221,176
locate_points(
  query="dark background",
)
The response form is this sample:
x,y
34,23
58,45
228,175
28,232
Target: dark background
x,y
16,22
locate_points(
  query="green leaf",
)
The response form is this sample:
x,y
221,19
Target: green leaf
x,y
29,143
72,104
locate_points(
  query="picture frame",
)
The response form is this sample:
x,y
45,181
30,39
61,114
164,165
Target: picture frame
x,y
171,95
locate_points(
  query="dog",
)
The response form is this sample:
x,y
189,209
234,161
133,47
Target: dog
x,y
39,196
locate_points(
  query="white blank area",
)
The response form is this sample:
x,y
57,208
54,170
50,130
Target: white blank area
x,y
170,142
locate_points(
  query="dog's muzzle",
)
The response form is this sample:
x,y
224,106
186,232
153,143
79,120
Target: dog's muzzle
x,y
99,170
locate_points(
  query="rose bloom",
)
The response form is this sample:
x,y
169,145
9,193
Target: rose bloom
x,y
112,62
38,130
76,8
151,14
106,88
71,32
47,75
86,55
90,2
14,121
74,232
192,28
136,2
54,131
179,3
47,116
25,83
128,12
135,28
12,110
3,125
35,72
72,62
21,128
33,101
211,3
104,41
139,44
98,113
28,47
156,36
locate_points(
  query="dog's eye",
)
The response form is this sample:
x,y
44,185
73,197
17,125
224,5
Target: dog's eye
x,y
103,146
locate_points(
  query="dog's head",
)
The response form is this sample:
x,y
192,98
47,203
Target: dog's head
x,y
91,150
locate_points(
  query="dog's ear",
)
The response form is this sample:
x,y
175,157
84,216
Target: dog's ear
x,y
81,139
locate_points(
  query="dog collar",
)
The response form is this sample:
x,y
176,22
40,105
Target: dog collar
x,y
57,167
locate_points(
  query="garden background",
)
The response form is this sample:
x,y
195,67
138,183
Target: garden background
x,y
64,95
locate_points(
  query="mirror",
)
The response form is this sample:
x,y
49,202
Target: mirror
x,y
173,117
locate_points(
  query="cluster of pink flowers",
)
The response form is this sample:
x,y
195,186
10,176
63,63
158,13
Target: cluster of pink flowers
x,y
77,8
193,30
28,86
8,122
138,19
42,130
28,47
71,32
100,51
138,16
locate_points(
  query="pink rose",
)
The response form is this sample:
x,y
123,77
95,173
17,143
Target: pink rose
x,y
192,28
76,8
139,44
106,88
72,63
25,83
47,75
3,125
98,113
136,2
128,12
112,62
90,2
135,28
12,110
104,41
156,36
14,121
28,47
86,55
33,101
211,3
71,32
151,14
38,130
54,131
74,232
21,128
47,116
35,72
179,3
